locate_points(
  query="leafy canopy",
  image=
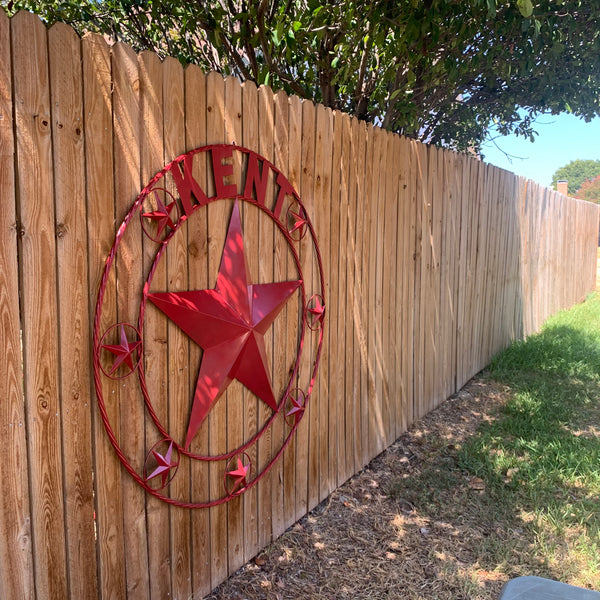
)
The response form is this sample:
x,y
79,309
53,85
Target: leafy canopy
x,y
576,173
441,71
590,190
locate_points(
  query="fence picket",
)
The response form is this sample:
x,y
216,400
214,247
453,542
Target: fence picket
x,y
35,185
97,79
155,330
73,308
197,229
16,558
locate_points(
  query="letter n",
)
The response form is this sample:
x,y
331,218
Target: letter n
x,y
257,177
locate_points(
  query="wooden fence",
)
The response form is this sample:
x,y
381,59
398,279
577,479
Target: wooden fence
x,y
433,262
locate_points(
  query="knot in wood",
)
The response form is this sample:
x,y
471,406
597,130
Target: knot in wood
x,y
61,230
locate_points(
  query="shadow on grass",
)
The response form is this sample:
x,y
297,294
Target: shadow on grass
x,y
525,488
541,458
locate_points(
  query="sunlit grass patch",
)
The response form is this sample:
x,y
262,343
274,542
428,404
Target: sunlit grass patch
x,y
542,455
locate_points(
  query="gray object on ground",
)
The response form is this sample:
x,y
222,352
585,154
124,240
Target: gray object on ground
x,y
538,588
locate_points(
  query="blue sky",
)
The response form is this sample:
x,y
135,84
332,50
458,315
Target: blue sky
x,y
561,139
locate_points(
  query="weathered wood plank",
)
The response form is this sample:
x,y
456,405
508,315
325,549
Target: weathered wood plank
x,y
355,226
250,133
346,453
155,327
283,350
265,235
128,262
375,424
16,557
390,225
333,324
40,330
197,228
364,183
218,221
181,383
321,222
97,79
307,472
235,394
64,50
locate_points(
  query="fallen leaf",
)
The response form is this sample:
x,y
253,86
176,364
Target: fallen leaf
x,y
477,484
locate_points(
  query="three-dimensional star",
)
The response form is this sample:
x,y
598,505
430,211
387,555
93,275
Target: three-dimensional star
x,y
239,475
165,464
229,323
123,352
162,215
297,409
317,311
299,222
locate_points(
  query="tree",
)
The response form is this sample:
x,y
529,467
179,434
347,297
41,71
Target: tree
x,y
576,173
590,190
441,71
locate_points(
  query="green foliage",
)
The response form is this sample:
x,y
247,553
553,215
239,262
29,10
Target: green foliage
x,y
542,453
590,190
439,70
576,172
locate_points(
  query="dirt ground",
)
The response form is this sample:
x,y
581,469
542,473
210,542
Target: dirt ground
x,y
375,538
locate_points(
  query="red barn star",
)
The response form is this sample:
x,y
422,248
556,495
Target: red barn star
x,y
229,323
123,351
162,215
239,475
317,311
299,223
164,465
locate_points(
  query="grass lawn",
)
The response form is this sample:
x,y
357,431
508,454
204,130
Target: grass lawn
x,y
540,459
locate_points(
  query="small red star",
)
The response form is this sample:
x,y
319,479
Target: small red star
x,y
239,475
123,352
299,222
162,215
297,409
165,464
317,311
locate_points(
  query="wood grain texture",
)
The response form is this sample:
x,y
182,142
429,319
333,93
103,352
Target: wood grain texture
x,y
287,127
250,134
181,383
218,219
336,381
265,235
155,329
321,218
97,79
74,353
355,228
195,137
280,329
16,556
361,311
128,266
35,185
235,394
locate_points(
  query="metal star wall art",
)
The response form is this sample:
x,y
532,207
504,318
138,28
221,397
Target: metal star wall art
x,y
261,327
